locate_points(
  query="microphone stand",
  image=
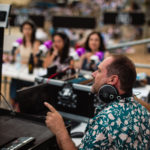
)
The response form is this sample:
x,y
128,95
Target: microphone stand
x,y
9,105
1,51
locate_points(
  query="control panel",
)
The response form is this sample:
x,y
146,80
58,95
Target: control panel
x,y
19,143
66,97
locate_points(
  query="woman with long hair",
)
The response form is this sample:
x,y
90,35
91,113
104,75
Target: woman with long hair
x,y
28,47
95,47
29,44
59,53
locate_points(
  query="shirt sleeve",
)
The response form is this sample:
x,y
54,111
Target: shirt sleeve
x,y
96,137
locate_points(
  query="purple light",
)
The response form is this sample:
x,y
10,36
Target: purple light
x,y
48,44
20,40
100,55
80,51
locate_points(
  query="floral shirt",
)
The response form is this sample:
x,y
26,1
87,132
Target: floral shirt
x,y
123,124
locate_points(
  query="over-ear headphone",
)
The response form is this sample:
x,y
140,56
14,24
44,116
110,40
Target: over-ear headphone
x,y
31,23
108,93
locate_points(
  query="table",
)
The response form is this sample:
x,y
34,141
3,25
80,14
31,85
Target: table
x,y
19,71
80,128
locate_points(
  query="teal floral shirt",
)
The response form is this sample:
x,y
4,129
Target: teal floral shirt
x,y
122,125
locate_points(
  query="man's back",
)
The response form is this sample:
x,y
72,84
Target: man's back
x,y
123,124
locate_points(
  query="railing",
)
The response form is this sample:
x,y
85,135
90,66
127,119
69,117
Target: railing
x,y
138,42
138,65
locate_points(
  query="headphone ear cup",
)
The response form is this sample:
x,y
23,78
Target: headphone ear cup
x,y
107,93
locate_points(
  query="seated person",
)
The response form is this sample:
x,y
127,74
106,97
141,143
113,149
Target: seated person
x,y
59,53
93,44
120,123
29,46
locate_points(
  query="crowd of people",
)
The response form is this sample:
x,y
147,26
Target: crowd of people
x,y
95,8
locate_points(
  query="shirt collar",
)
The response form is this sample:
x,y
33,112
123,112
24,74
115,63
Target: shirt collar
x,y
103,105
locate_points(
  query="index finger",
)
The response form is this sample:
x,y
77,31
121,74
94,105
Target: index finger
x,y
50,107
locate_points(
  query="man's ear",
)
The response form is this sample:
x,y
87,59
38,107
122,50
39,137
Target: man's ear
x,y
113,80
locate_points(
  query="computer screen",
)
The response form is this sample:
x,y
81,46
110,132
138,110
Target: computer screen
x,y
73,22
4,13
66,98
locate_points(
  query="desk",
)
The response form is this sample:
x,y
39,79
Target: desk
x,y
24,125
20,72
142,92
80,128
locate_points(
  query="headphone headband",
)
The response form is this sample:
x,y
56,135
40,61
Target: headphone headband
x,y
129,94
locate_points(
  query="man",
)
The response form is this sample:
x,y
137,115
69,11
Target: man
x,y
120,124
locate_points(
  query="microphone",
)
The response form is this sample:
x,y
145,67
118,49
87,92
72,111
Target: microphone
x,y
77,53
95,59
44,48
98,57
15,45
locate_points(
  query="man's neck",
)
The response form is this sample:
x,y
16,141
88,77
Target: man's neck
x,y
121,92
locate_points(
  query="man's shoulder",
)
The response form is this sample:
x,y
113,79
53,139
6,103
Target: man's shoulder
x,y
122,111
123,106
118,124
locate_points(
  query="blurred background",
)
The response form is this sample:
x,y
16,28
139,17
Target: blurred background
x,y
120,28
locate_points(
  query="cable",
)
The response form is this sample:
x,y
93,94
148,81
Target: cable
x,y
52,76
10,107
57,73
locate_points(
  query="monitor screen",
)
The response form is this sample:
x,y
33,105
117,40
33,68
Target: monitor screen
x,y
3,15
65,98
73,22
